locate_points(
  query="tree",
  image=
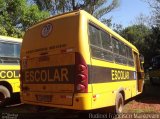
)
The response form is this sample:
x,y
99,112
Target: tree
x,y
117,28
153,43
137,34
17,15
97,8
153,39
143,20
155,6
146,39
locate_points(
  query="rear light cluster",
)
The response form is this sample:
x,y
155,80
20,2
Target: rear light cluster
x,y
23,65
81,74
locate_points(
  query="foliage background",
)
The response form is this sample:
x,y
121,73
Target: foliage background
x,y
16,16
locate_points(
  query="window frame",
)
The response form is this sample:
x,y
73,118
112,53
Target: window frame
x,y
16,60
101,48
125,56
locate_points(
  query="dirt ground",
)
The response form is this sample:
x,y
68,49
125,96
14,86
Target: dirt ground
x,y
147,102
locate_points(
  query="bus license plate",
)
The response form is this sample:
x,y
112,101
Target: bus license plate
x,y
44,98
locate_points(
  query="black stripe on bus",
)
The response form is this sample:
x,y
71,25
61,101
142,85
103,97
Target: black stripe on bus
x,y
48,75
99,74
66,75
9,74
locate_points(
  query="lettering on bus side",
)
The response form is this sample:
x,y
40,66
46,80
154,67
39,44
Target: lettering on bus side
x,y
98,74
49,75
9,74
120,75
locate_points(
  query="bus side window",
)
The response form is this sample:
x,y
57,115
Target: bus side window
x,y
100,43
106,41
107,46
116,49
130,57
96,52
122,52
115,45
95,42
94,36
9,52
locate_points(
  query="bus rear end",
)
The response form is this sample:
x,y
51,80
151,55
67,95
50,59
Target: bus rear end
x,y
53,71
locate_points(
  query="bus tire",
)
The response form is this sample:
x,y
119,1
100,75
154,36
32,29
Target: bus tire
x,y
119,103
4,95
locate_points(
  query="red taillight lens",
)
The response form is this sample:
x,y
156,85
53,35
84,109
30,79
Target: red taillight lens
x,y
23,65
81,74
81,67
81,78
80,87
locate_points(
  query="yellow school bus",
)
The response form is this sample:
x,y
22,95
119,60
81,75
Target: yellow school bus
x,y
74,61
9,67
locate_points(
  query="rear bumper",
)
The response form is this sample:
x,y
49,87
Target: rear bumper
x,y
81,101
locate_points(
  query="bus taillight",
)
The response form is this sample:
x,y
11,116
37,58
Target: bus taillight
x,y
81,74
23,65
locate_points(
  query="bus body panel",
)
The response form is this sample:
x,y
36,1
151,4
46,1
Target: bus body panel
x,y
105,88
14,83
60,40
102,84
80,102
106,92
10,74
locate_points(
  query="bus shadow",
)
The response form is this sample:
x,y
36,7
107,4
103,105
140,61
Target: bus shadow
x,y
150,95
106,113
15,100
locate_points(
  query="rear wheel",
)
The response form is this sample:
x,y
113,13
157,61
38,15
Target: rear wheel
x,y
119,103
4,95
